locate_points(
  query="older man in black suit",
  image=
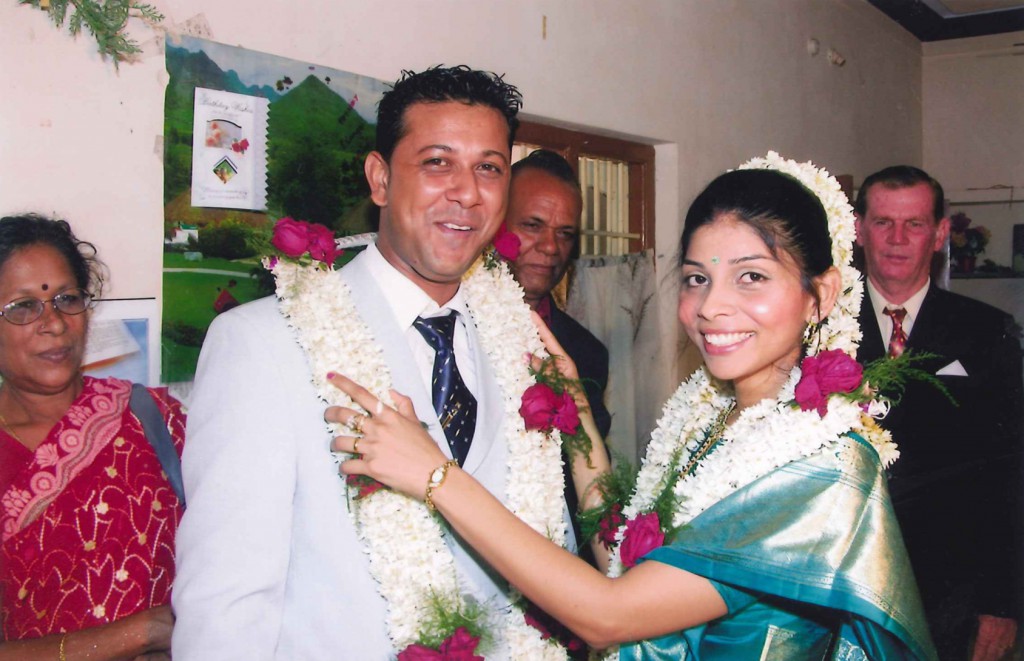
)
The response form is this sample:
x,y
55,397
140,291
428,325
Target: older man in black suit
x,y
956,487
544,207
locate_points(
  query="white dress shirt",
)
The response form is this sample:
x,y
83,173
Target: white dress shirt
x,y
407,301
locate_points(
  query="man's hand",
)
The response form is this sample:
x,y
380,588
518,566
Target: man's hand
x,y
996,637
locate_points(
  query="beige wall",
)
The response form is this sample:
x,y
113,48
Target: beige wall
x,y
972,120
712,82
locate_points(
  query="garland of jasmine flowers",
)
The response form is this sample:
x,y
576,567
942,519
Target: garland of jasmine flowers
x,y
409,559
784,431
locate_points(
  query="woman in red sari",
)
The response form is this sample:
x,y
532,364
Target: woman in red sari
x,y
87,518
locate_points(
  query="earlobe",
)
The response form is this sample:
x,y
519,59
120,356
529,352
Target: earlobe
x,y
377,176
828,285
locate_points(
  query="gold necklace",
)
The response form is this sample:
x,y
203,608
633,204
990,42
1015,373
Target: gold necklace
x,y
10,430
714,436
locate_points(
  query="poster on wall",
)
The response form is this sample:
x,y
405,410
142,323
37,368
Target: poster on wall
x,y
320,125
229,150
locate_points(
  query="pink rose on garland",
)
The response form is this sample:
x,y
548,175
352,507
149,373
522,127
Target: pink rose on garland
x,y
321,244
538,406
567,416
297,237
643,534
609,526
549,627
542,408
457,647
506,243
829,372
363,484
291,236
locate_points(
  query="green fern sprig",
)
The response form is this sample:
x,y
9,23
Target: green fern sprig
x,y
104,19
890,376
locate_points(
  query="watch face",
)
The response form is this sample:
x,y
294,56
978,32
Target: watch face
x,y
437,475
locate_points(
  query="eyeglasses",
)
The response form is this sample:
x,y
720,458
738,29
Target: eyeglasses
x,y
26,310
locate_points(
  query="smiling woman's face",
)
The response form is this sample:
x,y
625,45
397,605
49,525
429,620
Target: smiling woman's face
x,y
744,308
45,356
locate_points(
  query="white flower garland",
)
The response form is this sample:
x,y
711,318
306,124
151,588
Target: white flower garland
x,y
842,330
783,432
409,558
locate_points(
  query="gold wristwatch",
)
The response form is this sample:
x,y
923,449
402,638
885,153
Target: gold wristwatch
x,y
437,477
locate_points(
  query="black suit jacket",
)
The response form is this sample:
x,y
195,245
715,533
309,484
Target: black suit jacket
x,y
956,487
591,358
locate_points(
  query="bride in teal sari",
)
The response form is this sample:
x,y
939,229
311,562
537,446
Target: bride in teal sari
x,y
759,526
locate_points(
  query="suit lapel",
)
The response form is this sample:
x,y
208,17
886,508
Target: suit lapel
x,y
872,344
489,404
375,313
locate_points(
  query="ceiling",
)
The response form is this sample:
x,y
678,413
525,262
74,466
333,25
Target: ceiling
x,y
935,20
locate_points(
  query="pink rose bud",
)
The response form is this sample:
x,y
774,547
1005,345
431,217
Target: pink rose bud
x,y
321,244
567,416
643,534
291,236
832,371
539,406
460,646
506,243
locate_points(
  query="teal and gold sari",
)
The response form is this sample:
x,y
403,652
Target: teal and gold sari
x,y
811,563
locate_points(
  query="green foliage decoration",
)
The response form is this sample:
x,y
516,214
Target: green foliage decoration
x,y
231,239
104,19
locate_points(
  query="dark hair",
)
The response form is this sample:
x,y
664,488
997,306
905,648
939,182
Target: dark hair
x,y
18,232
439,84
901,176
548,162
779,208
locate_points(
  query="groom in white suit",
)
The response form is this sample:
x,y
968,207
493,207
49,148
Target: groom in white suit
x,y
269,564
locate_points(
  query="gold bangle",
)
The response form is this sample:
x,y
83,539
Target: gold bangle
x,y
437,477
60,653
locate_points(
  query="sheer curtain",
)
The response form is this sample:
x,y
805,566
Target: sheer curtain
x,y
616,299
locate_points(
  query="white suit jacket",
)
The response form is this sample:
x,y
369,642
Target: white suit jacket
x,y
268,562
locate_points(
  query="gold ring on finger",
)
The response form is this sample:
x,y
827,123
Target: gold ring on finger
x,y
356,423
355,445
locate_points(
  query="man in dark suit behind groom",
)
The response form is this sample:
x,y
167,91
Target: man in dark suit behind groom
x,y
956,487
544,207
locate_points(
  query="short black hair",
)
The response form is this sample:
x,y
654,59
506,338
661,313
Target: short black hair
x,y
437,85
22,231
902,176
549,162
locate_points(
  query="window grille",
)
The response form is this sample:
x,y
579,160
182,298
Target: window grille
x,y
616,179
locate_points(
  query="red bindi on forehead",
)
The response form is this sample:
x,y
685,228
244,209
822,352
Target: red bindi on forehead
x,y
45,286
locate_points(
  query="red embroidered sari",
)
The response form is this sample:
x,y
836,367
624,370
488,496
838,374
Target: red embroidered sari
x,y
88,519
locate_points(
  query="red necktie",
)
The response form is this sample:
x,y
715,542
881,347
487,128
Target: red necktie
x,y
898,339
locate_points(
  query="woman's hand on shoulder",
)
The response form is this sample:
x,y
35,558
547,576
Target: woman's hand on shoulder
x,y
394,448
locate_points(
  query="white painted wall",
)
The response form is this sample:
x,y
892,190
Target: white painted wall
x,y
972,124
713,82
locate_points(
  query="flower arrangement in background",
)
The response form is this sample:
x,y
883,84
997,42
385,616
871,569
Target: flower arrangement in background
x,y
965,242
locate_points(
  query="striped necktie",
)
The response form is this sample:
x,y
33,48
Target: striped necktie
x,y
454,404
898,339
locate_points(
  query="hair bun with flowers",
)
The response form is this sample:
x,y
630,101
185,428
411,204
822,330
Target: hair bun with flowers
x,y
841,330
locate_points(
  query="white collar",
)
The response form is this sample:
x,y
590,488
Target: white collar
x,y
912,305
406,300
